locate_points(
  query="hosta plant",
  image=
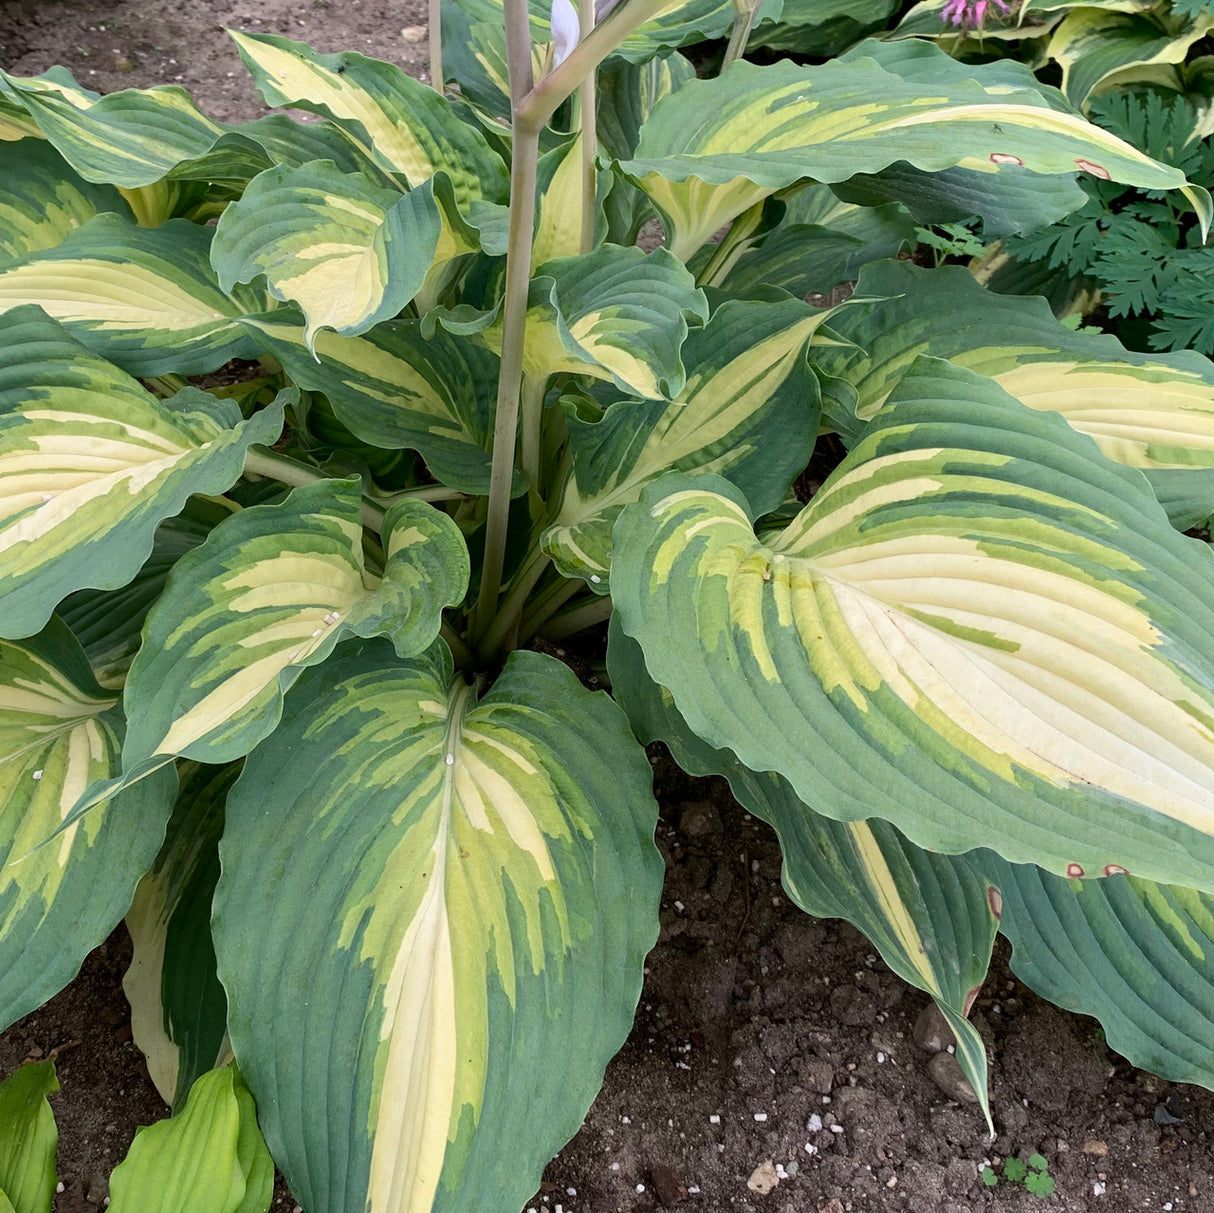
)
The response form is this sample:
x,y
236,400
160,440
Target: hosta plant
x,y
277,676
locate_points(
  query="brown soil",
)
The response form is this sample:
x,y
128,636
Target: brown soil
x,y
757,1022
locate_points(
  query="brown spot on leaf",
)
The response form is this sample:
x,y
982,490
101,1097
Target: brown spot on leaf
x,y
1074,870
1097,170
1005,158
970,999
1115,869
994,899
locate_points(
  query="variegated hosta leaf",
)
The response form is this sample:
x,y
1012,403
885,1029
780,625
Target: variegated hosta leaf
x,y
429,905
1096,48
617,313
399,123
28,1139
347,250
627,93
1135,954
129,139
716,147
749,413
179,1013
91,463
822,27
60,896
815,256
1151,411
679,25
108,623
558,211
270,592
474,53
928,915
980,629
45,199
209,1158
396,389
144,298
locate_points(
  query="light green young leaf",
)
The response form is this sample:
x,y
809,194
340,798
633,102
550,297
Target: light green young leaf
x,y
59,732
347,250
28,1138
979,629
928,915
716,147
145,298
748,413
1150,411
466,890
179,1013
270,592
91,463
209,1158
399,123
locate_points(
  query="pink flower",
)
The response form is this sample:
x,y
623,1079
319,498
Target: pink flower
x,y
970,13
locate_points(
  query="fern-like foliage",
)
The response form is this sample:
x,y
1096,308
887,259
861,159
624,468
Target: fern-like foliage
x,y
1142,249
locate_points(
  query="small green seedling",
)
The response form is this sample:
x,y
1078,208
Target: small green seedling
x,y
1035,1176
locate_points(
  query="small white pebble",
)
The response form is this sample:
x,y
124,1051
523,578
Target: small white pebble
x,y
678,905
571,1191
560,1208
880,1059
720,1147
714,1119
1167,1206
38,774
951,1048
640,1188
595,578
451,763
615,1166
836,1128
625,1120
694,1190
810,1148
59,1186
783,1174
760,1117
1098,1189
814,1123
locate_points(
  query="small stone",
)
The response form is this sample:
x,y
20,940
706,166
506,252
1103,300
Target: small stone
x,y
700,819
763,1179
945,1071
820,1076
834,1205
98,1189
668,1186
1095,1147
413,34
931,1032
